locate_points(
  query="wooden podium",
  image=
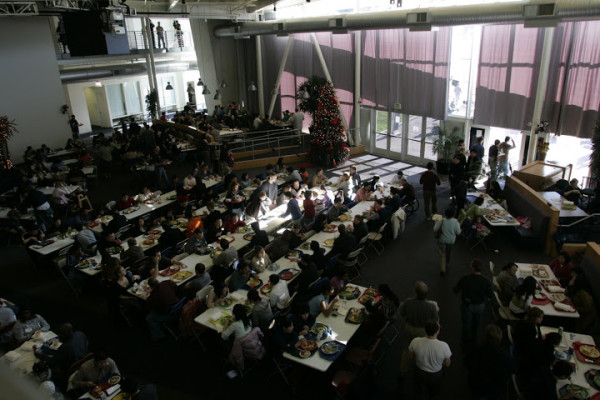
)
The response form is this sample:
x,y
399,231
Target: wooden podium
x,y
540,175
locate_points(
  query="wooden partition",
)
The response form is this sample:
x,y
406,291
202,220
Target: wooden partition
x,y
541,175
531,196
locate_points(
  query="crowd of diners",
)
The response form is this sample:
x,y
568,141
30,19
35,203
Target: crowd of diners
x,y
323,275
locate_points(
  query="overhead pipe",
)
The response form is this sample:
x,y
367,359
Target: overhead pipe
x,y
439,16
94,73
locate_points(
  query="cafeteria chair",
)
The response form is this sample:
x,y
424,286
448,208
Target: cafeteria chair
x,y
60,262
362,256
139,266
180,246
504,311
492,268
518,392
171,326
374,239
510,339
357,357
123,231
351,261
496,284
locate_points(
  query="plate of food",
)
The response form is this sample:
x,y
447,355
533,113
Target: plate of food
x,y
593,378
149,241
98,389
329,348
306,344
366,298
106,218
129,210
273,267
294,255
304,353
113,380
355,316
266,290
169,271
328,242
226,302
114,250
253,282
154,232
579,392
319,329
224,321
349,293
216,253
229,238
243,229
305,246
539,271
557,297
248,236
287,274
589,350
181,276
345,217
372,292
330,228
87,263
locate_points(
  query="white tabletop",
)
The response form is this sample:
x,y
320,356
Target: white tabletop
x,y
341,331
59,243
578,376
556,200
48,190
525,270
60,153
493,207
145,208
26,358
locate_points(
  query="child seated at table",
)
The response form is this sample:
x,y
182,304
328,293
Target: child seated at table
x,y
480,228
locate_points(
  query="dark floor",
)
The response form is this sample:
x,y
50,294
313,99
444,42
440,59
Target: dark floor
x,y
183,371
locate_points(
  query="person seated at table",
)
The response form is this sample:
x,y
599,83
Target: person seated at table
x,y
234,193
170,236
297,236
297,189
87,239
359,228
302,319
397,179
542,385
279,296
320,222
479,227
266,204
282,198
292,208
318,255
239,277
156,262
407,193
261,313
195,243
528,341
474,209
60,194
159,305
310,274
183,209
508,282
134,252
82,218
363,193
572,192
74,346
233,223
343,245
580,292
107,241
189,182
146,195
318,178
7,320
368,331
228,255
135,391
260,260
206,172
139,227
293,174
117,222
118,281
336,210
245,180
27,325
260,237
33,235
339,280
214,231
284,337
219,291
304,175
125,202
200,281
320,303
521,300
562,267
94,371
309,211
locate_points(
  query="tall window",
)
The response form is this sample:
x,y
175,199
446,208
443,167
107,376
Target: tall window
x,y
166,97
132,97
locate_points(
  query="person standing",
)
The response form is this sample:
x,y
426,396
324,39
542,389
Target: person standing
x,y
431,355
493,160
475,290
429,180
449,228
160,34
478,148
152,33
297,121
503,160
74,127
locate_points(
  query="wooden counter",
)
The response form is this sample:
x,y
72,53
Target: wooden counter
x,y
540,175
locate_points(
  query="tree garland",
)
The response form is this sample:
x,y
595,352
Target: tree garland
x,y
7,130
328,143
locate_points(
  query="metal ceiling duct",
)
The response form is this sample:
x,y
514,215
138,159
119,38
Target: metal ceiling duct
x,y
491,13
85,74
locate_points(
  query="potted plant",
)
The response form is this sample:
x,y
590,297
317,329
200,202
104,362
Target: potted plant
x,y
152,104
444,145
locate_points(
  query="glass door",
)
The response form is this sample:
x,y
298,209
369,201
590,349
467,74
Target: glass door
x,y
396,136
415,136
381,131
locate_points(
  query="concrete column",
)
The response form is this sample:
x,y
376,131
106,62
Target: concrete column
x,y
286,52
259,78
152,75
357,71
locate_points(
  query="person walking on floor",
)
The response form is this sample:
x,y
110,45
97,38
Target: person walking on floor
x,y
429,180
446,230
431,355
475,290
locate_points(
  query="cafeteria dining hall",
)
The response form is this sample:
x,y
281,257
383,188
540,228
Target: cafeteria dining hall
x,y
302,199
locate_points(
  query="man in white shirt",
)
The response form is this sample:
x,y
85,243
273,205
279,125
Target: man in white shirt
x,y
431,356
297,121
257,123
397,179
279,292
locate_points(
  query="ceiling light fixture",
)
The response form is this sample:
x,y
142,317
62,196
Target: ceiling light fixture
x,y
169,87
252,87
200,83
223,84
205,90
217,95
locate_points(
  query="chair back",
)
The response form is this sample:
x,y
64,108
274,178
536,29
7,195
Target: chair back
x,y
77,364
202,293
492,268
138,266
178,306
180,246
354,254
122,232
496,284
63,252
382,228
363,240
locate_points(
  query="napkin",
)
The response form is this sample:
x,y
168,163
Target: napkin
x,y
563,306
112,389
238,296
555,289
12,356
342,310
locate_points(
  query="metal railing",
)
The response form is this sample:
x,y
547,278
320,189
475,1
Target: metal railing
x,y
578,221
271,139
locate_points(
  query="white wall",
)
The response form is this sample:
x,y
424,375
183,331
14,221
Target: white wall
x,y
32,93
77,103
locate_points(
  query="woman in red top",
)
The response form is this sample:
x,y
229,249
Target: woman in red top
x,y
309,211
562,266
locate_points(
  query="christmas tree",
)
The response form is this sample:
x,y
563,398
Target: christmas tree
x,y
328,139
7,129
